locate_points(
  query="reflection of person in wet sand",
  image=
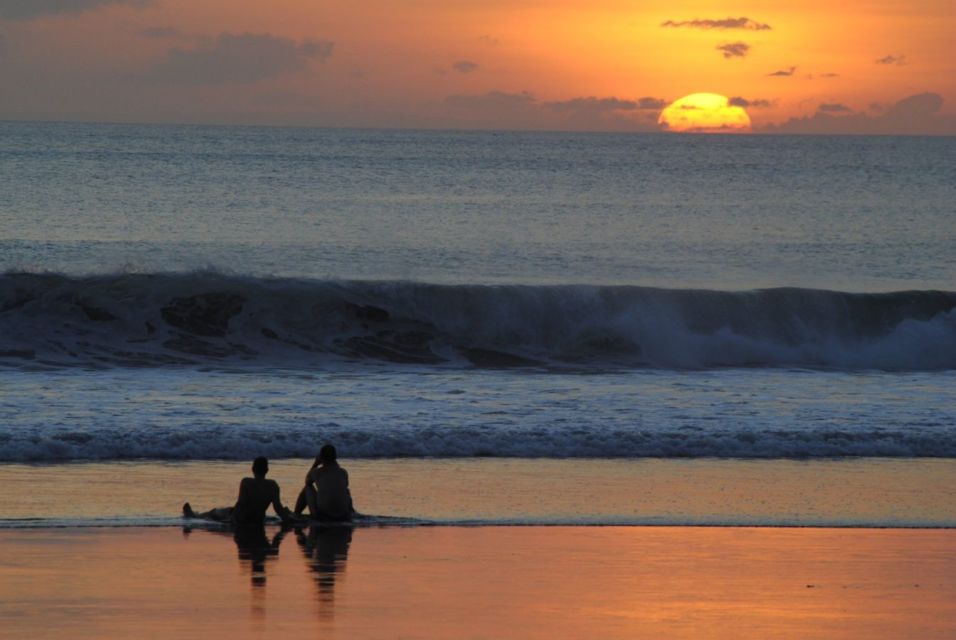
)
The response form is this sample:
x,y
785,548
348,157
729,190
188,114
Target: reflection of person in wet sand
x,y
255,496
326,490
326,549
255,546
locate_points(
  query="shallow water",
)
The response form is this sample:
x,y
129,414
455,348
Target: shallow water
x,y
868,493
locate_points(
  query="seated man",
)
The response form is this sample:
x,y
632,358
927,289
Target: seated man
x,y
326,490
255,496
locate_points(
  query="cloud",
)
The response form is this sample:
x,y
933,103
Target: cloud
x,y
888,60
914,115
784,73
834,107
29,9
160,33
592,105
726,23
734,49
829,75
500,109
916,106
493,100
758,103
491,41
651,104
237,59
465,66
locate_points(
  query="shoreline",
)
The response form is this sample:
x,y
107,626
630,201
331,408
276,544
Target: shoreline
x,y
866,493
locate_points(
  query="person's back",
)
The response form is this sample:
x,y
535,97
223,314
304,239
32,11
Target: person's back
x,y
255,496
333,499
326,490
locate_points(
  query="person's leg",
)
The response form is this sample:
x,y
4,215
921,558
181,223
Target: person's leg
x,y
313,499
301,503
222,514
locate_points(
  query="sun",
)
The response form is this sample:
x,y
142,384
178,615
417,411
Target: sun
x,y
704,113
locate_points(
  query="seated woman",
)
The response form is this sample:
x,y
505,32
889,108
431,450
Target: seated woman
x,y
255,496
326,490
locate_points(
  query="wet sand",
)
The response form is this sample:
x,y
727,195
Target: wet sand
x,y
855,492
480,582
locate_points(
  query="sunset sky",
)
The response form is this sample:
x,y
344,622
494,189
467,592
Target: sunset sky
x,y
854,66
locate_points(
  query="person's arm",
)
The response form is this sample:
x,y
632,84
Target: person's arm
x,y
308,474
281,510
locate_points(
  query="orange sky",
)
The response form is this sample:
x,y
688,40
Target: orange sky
x,y
872,66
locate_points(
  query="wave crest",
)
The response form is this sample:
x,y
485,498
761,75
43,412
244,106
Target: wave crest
x,y
49,320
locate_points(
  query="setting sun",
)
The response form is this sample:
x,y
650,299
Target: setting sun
x,y
704,113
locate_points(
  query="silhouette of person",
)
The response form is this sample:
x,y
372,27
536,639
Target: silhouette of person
x,y
326,491
255,496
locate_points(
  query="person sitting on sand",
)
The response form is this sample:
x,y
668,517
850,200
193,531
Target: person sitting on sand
x,y
326,490
255,496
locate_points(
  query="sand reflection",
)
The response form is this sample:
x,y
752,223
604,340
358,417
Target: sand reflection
x,y
254,546
326,549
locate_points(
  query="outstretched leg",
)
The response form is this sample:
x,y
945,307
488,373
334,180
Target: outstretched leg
x,y
222,514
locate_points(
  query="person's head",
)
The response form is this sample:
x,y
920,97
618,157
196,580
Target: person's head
x,y
328,454
260,466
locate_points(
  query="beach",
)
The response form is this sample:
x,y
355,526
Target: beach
x,y
485,582
490,548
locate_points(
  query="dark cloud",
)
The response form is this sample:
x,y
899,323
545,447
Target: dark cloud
x,y
920,105
887,60
651,104
915,115
236,59
493,100
758,103
834,107
160,33
829,75
734,49
592,105
783,73
726,23
28,9
500,109
465,66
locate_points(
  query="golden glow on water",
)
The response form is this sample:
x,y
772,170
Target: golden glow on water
x,y
498,582
704,113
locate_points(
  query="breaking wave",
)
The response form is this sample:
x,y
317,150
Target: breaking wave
x,y
487,440
144,320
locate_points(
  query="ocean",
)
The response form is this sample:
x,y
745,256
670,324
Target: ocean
x,y
187,293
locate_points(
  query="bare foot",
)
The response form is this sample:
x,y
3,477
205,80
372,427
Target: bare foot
x,y
188,511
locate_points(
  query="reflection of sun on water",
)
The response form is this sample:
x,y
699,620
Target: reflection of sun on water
x,y
704,113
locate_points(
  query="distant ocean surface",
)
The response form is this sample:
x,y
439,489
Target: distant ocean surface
x,y
189,292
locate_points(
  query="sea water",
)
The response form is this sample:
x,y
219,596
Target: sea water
x,y
193,293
